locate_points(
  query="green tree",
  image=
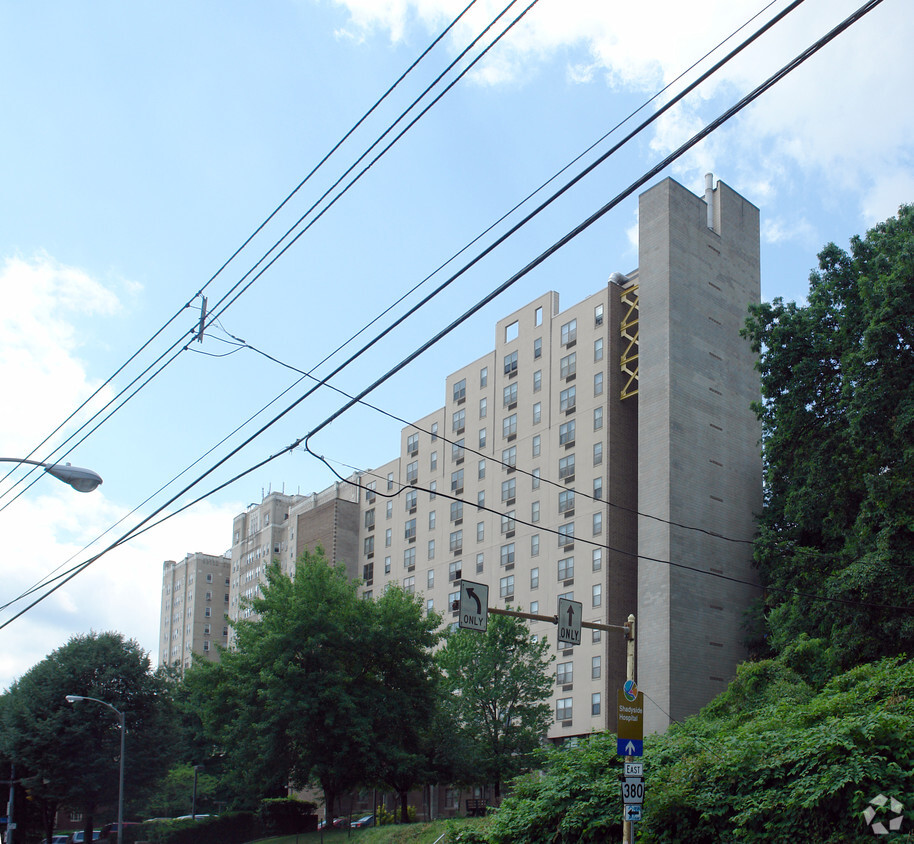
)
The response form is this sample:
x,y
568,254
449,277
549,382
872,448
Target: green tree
x,y
321,686
495,685
838,425
73,751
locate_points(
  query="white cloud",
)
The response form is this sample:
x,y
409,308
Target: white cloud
x,y
44,532
841,115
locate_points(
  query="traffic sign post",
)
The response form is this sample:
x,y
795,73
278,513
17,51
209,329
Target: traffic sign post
x,y
474,606
571,614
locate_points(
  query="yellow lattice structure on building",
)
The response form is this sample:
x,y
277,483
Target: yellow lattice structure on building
x,y
629,357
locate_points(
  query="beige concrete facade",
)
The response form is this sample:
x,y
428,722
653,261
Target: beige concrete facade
x,y
590,454
195,594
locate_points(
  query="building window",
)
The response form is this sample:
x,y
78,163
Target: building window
x,y
484,376
537,413
369,545
409,584
456,541
598,384
597,559
412,472
481,469
535,478
369,518
596,636
409,558
597,453
412,444
434,431
483,407
566,568
390,481
457,449
482,437
368,572
433,461
509,457
459,421
480,562
206,645
597,523
566,433
563,709
455,571
537,380
432,517
535,512
432,489
506,586
409,529
207,612
595,703
598,315
569,332
566,534
431,549
567,400
507,557
534,578
453,601
430,605
390,508
598,418
510,394
509,489
535,545
568,365
598,349
566,467
480,531
597,594
387,565
456,510
460,390
388,537
507,522
209,578
430,579
509,426
511,363
411,499
598,488
596,668
537,445
564,673
537,348
457,481
538,316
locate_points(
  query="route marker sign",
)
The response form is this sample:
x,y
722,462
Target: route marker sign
x,y
571,614
633,769
474,606
633,790
629,747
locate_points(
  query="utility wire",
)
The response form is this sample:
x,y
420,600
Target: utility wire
x,y
219,271
772,80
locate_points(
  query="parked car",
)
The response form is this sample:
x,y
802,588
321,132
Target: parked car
x,y
79,837
56,839
361,823
336,823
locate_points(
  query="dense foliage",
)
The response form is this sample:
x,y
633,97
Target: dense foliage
x,y
496,686
73,750
838,420
321,686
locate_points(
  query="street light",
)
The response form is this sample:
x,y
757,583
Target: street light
x,y
82,480
120,787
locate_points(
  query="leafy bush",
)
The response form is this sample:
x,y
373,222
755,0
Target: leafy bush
x,y
287,816
229,828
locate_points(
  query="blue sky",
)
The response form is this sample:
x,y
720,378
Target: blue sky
x,y
142,143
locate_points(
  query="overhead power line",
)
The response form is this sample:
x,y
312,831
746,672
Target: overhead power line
x,y
147,523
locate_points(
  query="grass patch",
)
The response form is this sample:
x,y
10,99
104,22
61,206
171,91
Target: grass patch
x,y
413,833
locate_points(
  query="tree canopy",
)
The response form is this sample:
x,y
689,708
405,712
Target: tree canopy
x,y
496,685
838,425
73,750
321,686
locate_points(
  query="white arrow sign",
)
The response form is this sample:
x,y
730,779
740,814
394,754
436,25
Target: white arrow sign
x,y
474,606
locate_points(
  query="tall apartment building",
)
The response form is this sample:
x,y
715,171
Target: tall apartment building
x,y
588,455
607,453
195,594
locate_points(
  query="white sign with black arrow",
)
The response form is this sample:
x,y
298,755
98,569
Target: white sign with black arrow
x,y
474,606
571,614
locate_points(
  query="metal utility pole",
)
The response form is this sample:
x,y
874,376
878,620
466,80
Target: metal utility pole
x,y
628,828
